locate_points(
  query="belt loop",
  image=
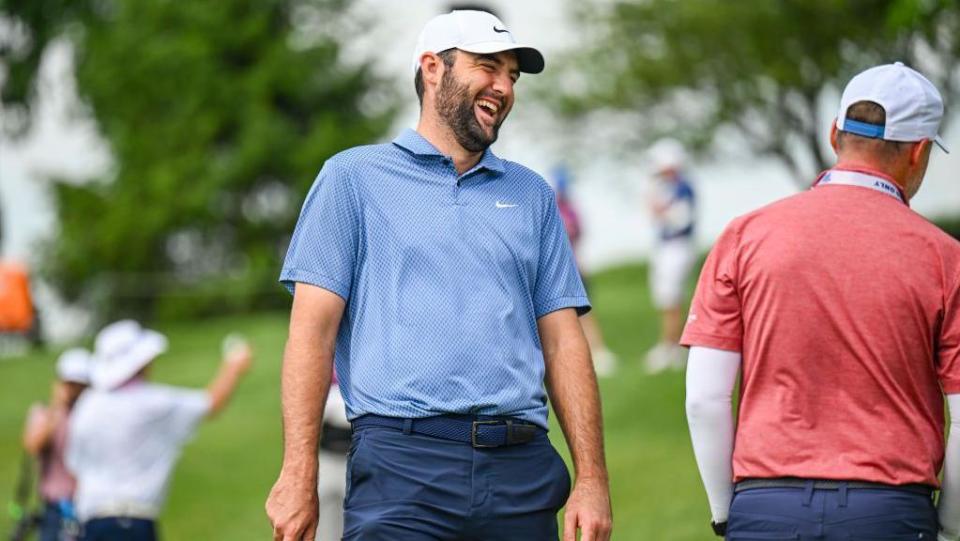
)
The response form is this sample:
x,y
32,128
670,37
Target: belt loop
x,y
407,426
843,494
808,493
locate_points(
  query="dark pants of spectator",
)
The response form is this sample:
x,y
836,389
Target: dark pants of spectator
x,y
119,529
55,526
51,523
843,514
417,488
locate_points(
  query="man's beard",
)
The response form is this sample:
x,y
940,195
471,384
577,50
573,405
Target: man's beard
x,y
455,107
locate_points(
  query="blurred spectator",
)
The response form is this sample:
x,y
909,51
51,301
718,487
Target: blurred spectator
x,y
604,361
334,444
127,433
17,313
45,437
672,206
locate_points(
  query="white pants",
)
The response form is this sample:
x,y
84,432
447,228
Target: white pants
x,y
669,270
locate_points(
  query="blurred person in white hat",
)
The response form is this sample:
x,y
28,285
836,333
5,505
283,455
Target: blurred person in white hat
x,y
840,310
127,433
672,204
439,280
45,437
334,445
604,360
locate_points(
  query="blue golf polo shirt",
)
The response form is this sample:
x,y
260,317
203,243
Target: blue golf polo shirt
x,y
444,277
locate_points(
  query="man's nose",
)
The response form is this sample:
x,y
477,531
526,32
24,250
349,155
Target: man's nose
x,y
503,84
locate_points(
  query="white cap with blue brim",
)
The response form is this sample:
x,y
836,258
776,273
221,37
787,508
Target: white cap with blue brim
x,y
912,104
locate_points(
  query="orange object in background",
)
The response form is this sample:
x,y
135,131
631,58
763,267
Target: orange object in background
x,y
16,305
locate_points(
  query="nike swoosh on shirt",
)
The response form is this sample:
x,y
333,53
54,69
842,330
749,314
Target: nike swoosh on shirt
x,y
504,205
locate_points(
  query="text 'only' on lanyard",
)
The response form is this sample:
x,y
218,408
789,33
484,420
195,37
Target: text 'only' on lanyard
x,y
863,179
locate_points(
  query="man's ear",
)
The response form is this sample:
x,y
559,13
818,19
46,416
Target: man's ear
x,y
917,151
833,137
431,68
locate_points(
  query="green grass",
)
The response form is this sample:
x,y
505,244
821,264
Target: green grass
x,y
225,474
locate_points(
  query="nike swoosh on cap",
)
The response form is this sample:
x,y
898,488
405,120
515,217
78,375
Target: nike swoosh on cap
x,y
501,30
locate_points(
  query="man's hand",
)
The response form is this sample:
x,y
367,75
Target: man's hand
x,y
293,508
236,362
588,509
238,354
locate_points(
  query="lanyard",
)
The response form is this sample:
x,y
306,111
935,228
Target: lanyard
x,y
866,180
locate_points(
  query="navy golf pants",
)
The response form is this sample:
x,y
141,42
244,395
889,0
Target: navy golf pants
x,y
851,514
405,486
119,529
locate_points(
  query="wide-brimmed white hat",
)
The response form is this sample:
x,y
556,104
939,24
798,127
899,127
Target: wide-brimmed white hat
x,y
121,350
477,32
73,365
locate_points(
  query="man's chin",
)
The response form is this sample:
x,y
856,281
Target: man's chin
x,y
478,139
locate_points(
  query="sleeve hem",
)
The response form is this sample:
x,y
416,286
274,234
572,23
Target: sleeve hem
x,y
725,343
950,387
581,304
290,277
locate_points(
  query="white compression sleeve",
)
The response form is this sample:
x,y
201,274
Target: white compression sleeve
x,y
949,506
711,377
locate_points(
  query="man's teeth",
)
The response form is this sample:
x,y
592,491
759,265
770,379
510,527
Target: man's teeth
x,y
487,104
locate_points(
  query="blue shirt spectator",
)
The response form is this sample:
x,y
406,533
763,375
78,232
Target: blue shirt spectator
x,y
677,198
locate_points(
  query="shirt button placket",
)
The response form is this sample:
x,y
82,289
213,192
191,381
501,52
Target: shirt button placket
x,y
456,185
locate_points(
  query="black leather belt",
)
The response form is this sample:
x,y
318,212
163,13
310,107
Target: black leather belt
x,y
828,484
480,433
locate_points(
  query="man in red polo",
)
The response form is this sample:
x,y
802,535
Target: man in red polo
x,y
841,306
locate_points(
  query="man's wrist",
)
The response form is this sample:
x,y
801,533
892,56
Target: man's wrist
x,y
719,528
300,469
595,474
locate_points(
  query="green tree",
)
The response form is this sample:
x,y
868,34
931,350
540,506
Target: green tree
x,y
769,71
218,116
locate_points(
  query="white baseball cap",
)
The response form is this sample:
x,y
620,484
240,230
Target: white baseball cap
x,y
74,365
667,154
474,32
912,104
121,350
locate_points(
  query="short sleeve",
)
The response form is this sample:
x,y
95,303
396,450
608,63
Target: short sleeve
x,y
715,318
558,284
185,409
323,248
948,350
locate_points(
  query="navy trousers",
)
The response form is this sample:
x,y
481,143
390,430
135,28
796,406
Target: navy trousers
x,y
405,486
844,514
119,529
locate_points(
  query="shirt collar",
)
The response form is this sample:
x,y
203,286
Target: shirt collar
x,y
415,143
866,171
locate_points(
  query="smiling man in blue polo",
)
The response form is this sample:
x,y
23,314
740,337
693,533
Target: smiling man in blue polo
x,y
438,279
